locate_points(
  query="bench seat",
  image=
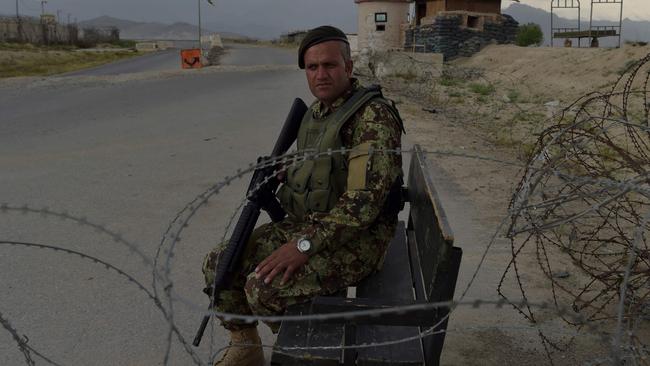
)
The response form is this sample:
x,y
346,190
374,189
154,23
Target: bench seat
x,y
421,266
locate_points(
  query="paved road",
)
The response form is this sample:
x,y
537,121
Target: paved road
x,y
122,157
155,61
168,60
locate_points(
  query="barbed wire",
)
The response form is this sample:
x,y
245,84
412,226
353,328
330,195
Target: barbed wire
x,y
627,186
568,170
22,343
182,221
349,315
321,317
177,225
82,221
585,196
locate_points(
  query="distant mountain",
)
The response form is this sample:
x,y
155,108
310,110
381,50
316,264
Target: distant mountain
x,y
151,30
269,19
632,30
252,30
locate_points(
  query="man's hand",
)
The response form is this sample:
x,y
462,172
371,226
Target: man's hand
x,y
285,259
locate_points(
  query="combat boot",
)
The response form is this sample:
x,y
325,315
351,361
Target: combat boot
x,y
243,355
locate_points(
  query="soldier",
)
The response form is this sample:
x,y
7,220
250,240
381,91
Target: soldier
x,y
342,208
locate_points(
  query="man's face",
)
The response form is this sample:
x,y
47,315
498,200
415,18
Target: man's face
x,y
328,75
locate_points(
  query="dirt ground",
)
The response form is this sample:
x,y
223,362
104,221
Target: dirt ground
x,y
554,73
493,106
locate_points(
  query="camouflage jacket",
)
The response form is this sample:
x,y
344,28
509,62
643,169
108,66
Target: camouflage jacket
x,y
361,213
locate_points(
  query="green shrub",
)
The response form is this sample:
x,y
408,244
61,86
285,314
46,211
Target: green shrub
x,y
629,65
482,89
448,81
513,95
529,34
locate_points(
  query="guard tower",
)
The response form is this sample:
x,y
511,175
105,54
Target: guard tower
x,y
565,32
595,32
381,23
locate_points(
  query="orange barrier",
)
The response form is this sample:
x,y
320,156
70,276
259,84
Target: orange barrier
x,y
191,58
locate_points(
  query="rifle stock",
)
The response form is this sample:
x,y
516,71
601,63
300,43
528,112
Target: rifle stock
x,y
262,198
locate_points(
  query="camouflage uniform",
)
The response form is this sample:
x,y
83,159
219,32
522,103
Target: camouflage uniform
x,y
348,242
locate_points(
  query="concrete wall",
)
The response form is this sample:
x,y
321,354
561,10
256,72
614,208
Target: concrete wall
x,y
146,46
415,67
213,40
33,31
451,36
392,37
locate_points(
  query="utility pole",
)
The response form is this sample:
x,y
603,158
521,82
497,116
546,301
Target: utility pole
x,y
19,25
58,16
200,45
69,18
43,2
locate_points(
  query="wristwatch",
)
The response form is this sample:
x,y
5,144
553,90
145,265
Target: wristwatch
x,y
303,245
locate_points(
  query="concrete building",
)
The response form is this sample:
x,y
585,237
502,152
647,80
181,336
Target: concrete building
x,y
382,23
458,27
293,37
451,27
475,11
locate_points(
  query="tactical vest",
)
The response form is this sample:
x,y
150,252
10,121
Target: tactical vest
x,y
317,183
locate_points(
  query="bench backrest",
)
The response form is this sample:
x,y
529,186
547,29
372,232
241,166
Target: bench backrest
x,y
430,231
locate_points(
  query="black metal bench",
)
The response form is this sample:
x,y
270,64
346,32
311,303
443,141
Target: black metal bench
x,y
421,267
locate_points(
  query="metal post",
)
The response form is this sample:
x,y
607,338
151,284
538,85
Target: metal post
x,y
620,25
200,45
552,34
579,24
591,20
19,25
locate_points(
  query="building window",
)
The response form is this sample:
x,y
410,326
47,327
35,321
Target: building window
x,y
472,22
381,27
420,12
381,17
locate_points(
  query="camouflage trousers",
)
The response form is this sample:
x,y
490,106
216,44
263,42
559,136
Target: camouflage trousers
x,y
325,273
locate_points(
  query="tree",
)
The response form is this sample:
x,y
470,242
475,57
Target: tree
x,y
529,34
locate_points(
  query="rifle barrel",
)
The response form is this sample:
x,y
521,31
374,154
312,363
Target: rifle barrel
x,y
230,257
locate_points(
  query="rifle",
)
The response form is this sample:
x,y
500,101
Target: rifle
x,y
261,195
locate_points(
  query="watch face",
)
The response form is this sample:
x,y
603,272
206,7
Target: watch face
x,y
304,245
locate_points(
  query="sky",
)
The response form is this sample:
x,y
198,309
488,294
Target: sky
x,y
632,9
292,14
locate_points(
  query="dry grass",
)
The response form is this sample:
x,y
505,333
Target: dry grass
x,y
507,95
30,60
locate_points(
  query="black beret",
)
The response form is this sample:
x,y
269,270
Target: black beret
x,y
319,35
